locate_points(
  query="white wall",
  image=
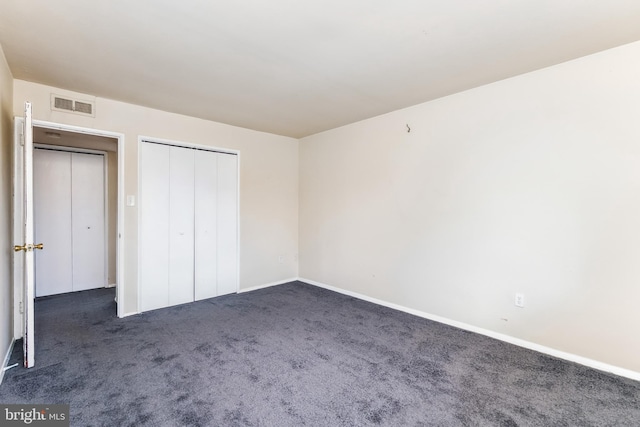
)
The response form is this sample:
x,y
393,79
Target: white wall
x,y
530,185
6,243
268,179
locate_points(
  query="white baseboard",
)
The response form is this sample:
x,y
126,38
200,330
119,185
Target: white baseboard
x,y
133,313
5,361
627,373
267,285
241,291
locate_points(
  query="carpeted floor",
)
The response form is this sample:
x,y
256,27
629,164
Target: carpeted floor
x,y
295,355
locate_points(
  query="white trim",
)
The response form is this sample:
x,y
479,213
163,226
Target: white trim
x,y
120,230
138,202
238,222
627,373
5,362
267,285
17,271
107,230
133,313
154,140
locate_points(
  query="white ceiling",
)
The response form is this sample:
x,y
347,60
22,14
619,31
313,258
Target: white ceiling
x,y
294,67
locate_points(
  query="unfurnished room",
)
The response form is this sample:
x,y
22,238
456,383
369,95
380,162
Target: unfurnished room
x,y
320,213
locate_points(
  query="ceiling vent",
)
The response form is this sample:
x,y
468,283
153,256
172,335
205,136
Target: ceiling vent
x,y
68,105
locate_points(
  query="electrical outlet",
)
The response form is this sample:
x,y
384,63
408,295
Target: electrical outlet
x,y
519,300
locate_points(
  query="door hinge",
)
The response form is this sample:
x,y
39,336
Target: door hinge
x,y
20,307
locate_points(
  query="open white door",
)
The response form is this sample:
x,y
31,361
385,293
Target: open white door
x,y
28,246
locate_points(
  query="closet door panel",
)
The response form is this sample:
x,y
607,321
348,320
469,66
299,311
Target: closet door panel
x,y
227,246
52,207
181,226
206,183
87,210
154,226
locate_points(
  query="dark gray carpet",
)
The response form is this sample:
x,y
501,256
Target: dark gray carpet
x,y
297,355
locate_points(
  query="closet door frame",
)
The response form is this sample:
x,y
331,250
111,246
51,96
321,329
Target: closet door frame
x,y
105,170
181,144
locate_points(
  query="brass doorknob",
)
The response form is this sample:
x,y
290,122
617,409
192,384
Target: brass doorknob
x,y
27,247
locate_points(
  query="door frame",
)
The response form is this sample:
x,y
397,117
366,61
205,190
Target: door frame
x,y
18,297
105,189
163,141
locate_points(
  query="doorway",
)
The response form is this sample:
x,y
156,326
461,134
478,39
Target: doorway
x,y
73,138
